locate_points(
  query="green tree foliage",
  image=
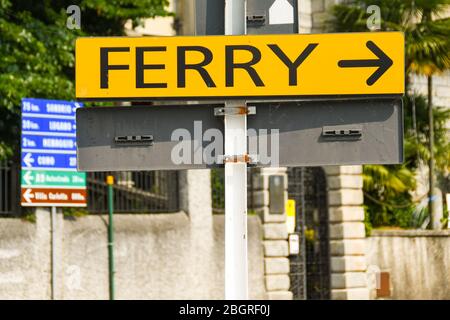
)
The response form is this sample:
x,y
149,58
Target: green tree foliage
x,y
387,188
427,46
417,140
37,50
218,190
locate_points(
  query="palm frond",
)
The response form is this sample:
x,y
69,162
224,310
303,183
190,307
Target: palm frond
x,y
428,47
398,179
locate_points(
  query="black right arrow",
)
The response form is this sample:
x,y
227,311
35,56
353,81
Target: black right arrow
x,y
383,63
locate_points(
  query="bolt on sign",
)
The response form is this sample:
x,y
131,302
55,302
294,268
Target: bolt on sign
x,y
344,64
49,175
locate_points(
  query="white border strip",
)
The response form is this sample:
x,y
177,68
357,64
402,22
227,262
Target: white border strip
x,y
78,205
50,169
50,134
47,116
68,152
31,186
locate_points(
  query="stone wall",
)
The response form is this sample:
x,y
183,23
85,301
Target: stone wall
x,y
25,269
159,256
418,262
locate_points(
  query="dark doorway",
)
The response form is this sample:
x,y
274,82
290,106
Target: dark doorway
x,y
310,269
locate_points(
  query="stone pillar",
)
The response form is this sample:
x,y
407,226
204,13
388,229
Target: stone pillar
x,y
276,251
312,14
196,202
195,196
347,233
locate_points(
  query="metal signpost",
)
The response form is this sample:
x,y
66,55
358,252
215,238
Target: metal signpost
x,y
111,268
236,159
347,108
49,177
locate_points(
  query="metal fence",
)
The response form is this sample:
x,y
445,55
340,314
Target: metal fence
x,y
310,269
134,192
9,187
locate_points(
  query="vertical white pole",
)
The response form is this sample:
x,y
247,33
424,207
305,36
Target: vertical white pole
x,y
53,254
236,269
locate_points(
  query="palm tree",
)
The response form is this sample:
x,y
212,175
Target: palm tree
x,y
427,44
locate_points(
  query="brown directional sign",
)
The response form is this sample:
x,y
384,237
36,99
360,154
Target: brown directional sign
x,y
48,197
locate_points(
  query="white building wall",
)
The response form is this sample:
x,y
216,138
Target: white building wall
x,y
159,26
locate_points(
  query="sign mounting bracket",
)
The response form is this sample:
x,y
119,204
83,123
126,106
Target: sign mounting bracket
x,y
234,111
245,158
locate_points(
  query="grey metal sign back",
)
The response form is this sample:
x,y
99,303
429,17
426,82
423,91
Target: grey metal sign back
x,y
142,138
333,132
301,133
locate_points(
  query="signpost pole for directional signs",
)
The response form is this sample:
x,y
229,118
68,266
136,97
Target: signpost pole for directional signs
x,y
110,182
236,270
53,257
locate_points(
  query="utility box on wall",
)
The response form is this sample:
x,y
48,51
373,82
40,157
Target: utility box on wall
x,y
276,194
272,17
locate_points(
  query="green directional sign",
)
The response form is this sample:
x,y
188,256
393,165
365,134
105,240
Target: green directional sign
x,y
53,178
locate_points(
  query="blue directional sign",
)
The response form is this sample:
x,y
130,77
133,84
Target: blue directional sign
x,y
49,160
34,124
47,141
40,108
